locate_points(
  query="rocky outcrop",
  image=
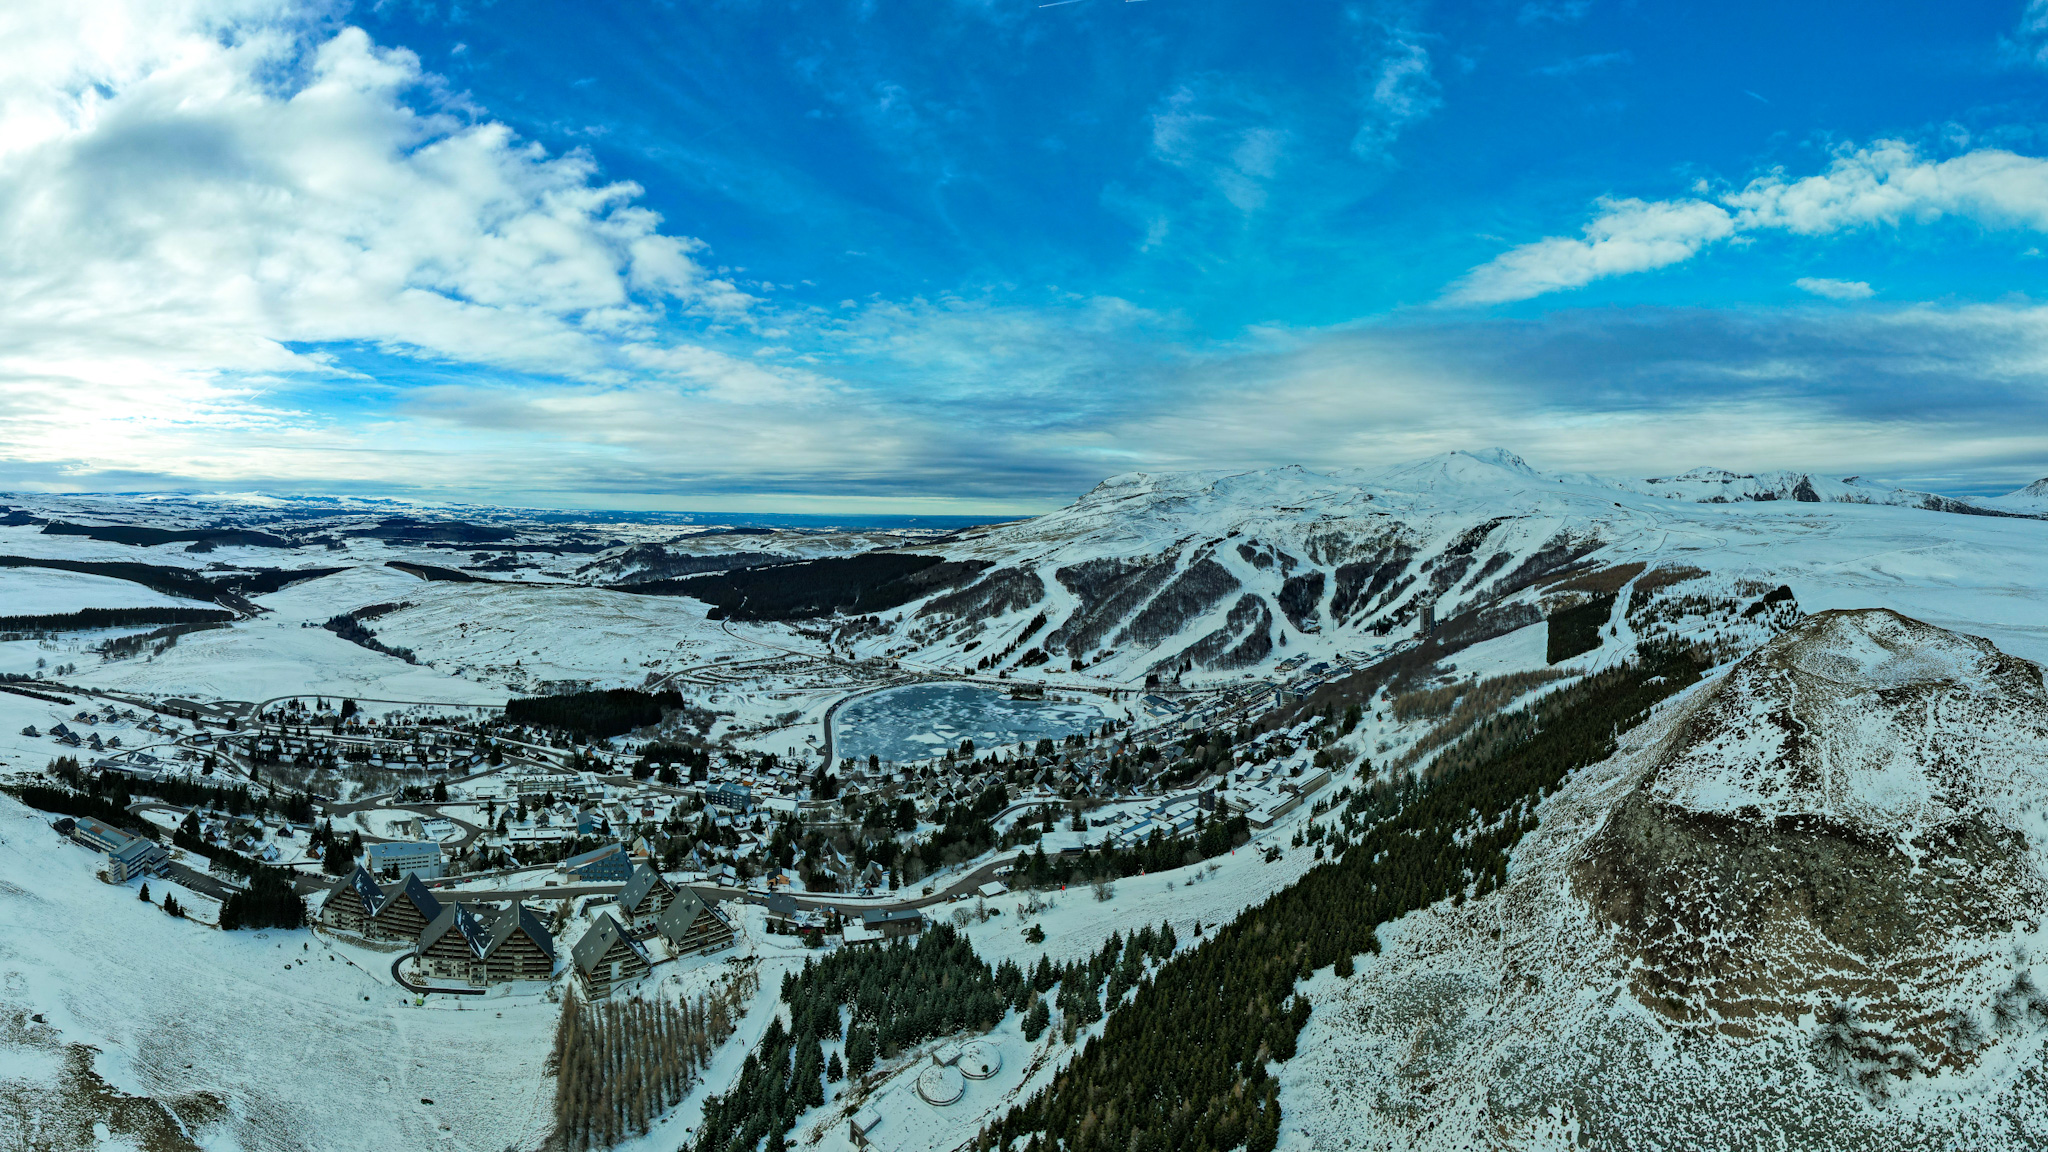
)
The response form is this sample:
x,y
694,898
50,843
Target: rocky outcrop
x,y
1801,907
1837,824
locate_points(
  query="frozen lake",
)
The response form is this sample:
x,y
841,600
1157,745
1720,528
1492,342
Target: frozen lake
x,y
926,719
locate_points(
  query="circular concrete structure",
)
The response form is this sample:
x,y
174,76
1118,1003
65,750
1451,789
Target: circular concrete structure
x,y
980,1059
941,1085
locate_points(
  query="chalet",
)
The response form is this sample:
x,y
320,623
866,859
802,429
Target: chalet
x,y
432,828
691,924
486,945
892,922
395,911
781,914
609,863
644,898
608,956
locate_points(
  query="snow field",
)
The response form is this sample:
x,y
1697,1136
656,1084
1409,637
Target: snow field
x,y
50,591
309,1043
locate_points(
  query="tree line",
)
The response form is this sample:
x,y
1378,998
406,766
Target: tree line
x,y
619,1064
86,619
881,1000
1185,1065
598,715
869,582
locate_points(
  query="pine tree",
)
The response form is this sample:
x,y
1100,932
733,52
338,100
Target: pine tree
x,y
1036,1020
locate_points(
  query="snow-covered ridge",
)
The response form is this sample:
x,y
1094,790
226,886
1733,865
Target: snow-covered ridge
x,y
1800,908
1718,486
1866,721
2031,499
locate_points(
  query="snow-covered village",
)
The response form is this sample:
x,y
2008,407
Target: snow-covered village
x,y
1023,576
561,852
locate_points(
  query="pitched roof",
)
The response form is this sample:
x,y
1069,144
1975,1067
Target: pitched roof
x,y
590,857
598,941
681,913
367,890
508,921
644,880
873,916
421,899
439,926
475,929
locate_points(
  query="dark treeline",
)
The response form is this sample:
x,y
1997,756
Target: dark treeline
x,y
964,829
65,802
145,537
352,630
1212,837
264,581
893,997
870,582
170,581
269,901
89,618
431,573
18,690
1184,1066
157,642
1574,631
599,714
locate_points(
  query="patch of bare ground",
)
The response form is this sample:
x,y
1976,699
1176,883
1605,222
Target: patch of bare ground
x,y
1829,837
76,1110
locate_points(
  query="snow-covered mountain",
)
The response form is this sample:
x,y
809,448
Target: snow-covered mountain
x,y
1801,908
1209,575
1215,573
2030,500
1718,486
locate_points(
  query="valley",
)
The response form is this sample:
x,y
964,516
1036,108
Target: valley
x,y
1443,805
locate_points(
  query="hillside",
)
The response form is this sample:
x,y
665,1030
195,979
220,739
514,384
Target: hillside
x,y
1213,574
1802,903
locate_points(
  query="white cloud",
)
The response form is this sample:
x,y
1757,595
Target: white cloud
x,y
1886,184
193,193
1627,236
1834,289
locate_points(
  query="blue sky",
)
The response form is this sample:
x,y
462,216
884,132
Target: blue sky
x,y
974,256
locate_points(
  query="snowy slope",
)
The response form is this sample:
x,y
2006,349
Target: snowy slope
x,y
1224,573
1719,486
261,1040
2031,499
1801,908
49,591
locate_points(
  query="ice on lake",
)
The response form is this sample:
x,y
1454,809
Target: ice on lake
x,y
924,720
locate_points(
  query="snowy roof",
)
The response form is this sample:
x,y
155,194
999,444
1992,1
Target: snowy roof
x,y
681,913
366,888
643,881
598,940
